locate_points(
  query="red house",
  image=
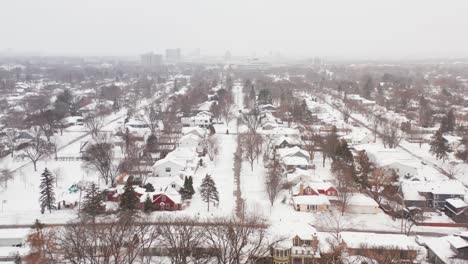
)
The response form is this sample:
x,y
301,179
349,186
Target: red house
x,y
167,202
314,188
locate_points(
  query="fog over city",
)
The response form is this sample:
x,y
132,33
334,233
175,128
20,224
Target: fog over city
x,y
349,29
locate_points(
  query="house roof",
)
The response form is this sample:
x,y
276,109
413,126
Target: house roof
x,y
167,160
457,242
311,199
456,203
444,187
287,152
441,247
189,137
361,200
295,161
374,240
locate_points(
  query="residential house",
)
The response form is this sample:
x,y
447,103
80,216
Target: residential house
x,y
202,119
167,167
359,203
307,199
189,141
197,131
375,245
293,152
286,142
437,193
457,209
291,163
163,201
451,249
302,246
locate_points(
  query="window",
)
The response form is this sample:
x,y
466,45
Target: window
x,y
163,198
168,169
308,190
436,196
168,206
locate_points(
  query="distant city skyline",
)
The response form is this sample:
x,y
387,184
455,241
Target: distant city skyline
x,y
339,29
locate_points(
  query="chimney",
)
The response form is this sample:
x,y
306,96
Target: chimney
x,y
301,188
315,242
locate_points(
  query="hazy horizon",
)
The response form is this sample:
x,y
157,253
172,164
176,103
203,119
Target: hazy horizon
x,y
340,29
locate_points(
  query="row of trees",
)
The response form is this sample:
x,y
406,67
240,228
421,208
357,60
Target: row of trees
x,y
128,239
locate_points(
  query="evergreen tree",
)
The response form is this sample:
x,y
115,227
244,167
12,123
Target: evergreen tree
x,y
149,187
190,185
187,190
148,205
450,121
444,124
364,168
208,191
47,198
129,199
92,201
439,146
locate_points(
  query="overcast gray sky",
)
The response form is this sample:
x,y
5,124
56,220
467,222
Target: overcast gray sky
x,y
358,28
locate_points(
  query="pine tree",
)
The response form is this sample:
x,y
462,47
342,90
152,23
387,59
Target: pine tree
x,y
129,199
149,187
92,201
187,190
47,198
148,206
450,121
439,146
208,191
190,185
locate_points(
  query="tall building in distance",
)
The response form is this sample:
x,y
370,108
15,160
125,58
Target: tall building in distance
x,y
151,59
173,55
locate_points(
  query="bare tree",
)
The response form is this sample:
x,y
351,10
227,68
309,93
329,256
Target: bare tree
x,y
240,242
151,119
379,179
273,180
11,141
115,241
344,175
346,114
227,111
251,146
94,123
392,135
180,239
376,121
100,157
252,120
5,176
37,148
211,146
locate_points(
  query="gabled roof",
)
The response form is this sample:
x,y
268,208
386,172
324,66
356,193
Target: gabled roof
x,y
288,152
167,160
295,161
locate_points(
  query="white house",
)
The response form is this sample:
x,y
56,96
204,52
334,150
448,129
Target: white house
x,y
361,204
290,163
202,119
189,141
186,156
167,167
311,203
293,152
197,131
